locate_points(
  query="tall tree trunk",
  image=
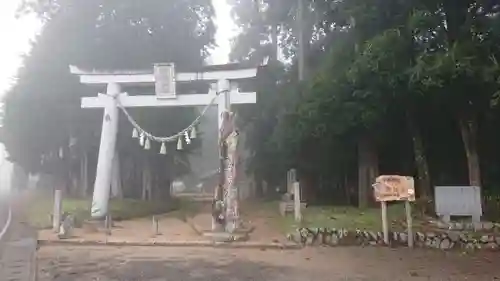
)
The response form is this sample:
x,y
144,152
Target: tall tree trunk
x,y
64,172
146,181
423,176
274,46
161,185
346,188
362,177
455,13
367,171
71,178
74,180
259,188
373,171
308,187
468,130
84,175
131,177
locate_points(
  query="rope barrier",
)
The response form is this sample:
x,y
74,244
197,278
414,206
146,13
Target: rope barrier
x,y
171,138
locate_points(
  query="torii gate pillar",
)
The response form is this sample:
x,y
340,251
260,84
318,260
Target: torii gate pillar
x,y
107,147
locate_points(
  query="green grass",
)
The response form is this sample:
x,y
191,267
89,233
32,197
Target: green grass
x,y
340,217
38,212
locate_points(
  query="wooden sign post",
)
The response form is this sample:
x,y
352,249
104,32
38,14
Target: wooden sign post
x,y
385,223
395,188
409,223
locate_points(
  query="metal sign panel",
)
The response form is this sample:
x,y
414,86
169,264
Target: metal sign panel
x,y
458,201
164,80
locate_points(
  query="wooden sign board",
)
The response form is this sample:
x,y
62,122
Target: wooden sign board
x,y
394,188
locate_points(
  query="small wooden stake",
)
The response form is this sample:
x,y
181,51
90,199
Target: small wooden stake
x,y
409,223
385,224
155,226
108,223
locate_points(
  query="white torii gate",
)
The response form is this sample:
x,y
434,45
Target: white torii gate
x,y
164,78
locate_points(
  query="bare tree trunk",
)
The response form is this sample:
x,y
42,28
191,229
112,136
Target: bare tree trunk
x,y
367,171
162,183
64,173
84,175
373,171
72,178
259,189
74,181
423,175
345,186
307,192
143,185
146,181
274,38
132,174
468,129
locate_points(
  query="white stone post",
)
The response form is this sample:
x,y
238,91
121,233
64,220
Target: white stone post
x,y
56,215
156,230
106,152
297,205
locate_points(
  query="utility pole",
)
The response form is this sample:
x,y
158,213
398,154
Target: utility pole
x,y
301,62
300,29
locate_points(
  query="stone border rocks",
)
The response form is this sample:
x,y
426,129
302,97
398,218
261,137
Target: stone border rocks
x,y
475,226
307,236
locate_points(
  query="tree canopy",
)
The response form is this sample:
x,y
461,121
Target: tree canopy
x,y
42,111
394,87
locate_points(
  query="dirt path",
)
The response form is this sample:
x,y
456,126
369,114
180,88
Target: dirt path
x,y
333,264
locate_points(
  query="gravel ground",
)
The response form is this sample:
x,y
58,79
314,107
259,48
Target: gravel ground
x,y
64,263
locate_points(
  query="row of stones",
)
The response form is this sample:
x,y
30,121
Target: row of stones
x,y
476,226
343,237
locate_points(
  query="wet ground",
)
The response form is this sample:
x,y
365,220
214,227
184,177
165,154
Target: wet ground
x,y
64,263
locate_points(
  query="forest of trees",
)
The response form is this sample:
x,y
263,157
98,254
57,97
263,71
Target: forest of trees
x,y
44,129
392,87
407,87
